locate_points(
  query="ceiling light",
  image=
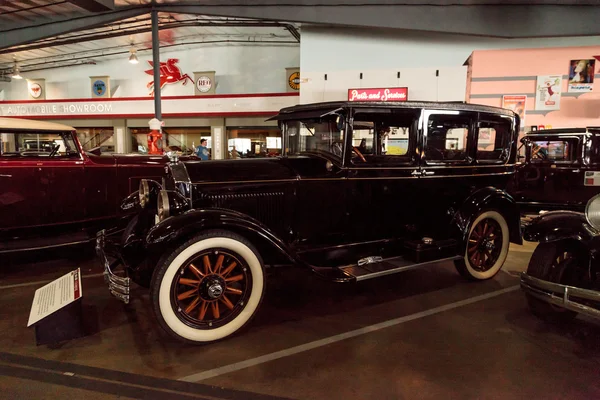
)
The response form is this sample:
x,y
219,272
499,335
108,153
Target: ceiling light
x,y
132,57
16,73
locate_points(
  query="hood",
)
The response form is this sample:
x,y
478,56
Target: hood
x,y
241,170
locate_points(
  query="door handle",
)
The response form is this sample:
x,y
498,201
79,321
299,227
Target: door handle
x,y
576,170
5,176
428,172
415,173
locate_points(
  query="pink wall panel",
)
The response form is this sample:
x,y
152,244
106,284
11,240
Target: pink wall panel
x,y
498,72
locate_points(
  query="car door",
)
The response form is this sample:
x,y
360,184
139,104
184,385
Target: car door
x,y
20,204
62,184
383,196
447,166
554,174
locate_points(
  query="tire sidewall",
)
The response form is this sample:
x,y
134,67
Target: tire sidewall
x,y
162,288
478,275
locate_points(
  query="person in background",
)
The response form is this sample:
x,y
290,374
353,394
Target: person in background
x,y
202,150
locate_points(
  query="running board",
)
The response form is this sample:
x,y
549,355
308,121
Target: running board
x,y
390,266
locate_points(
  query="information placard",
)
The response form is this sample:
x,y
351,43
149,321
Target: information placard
x,y
55,295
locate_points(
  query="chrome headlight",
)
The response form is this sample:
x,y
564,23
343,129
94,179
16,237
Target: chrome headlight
x,y
170,202
163,208
148,191
592,211
144,192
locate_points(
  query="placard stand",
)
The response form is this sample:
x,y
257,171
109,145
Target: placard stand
x,y
57,312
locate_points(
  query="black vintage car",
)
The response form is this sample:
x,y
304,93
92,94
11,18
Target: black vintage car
x,y
563,275
361,191
560,171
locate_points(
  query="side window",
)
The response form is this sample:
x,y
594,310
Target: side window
x,y
380,139
553,151
493,139
447,137
44,144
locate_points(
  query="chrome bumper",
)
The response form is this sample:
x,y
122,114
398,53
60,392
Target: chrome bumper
x,y
560,295
117,285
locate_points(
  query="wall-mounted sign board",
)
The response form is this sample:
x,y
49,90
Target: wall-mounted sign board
x,y
379,94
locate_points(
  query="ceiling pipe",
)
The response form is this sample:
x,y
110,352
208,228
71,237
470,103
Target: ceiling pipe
x,y
82,39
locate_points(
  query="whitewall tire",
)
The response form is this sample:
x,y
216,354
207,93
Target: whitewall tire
x,y
487,247
208,288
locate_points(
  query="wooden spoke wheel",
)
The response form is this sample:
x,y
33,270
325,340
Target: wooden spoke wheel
x,y
486,247
209,288
485,244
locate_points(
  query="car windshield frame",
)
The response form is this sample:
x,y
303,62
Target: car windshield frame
x,y
71,149
325,135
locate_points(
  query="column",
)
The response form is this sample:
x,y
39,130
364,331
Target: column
x,y
122,136
219,142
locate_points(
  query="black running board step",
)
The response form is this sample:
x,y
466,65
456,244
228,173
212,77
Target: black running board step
x,y
25,244
387,267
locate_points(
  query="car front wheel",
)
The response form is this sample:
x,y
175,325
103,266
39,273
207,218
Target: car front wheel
x,y
487,247
209,288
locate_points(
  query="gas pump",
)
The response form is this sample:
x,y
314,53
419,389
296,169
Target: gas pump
x,y
155,136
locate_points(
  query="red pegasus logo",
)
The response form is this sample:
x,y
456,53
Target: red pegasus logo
x,y
169,73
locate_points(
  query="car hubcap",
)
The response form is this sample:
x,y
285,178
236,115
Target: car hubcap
x,y
211,289
485,245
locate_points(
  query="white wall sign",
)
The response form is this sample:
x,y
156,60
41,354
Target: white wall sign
x,y
144,107
203,84
36,89
547,93
55,295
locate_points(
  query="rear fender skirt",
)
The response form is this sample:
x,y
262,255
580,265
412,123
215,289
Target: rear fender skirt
x,y
488,198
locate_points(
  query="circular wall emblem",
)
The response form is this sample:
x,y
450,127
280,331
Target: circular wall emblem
x,y
203,84
294,80
35,90
99,88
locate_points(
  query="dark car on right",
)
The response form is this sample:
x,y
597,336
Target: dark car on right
x,y
560,170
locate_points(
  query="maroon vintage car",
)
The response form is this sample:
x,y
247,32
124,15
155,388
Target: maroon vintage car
x,y
52,193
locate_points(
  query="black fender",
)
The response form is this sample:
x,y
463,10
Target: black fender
x,y
131,203
560,225
489,198
182,226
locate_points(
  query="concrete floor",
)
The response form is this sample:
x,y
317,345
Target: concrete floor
x,y
442,337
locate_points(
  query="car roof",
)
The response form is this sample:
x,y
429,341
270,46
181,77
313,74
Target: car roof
x,y
559,131
29,124
447,105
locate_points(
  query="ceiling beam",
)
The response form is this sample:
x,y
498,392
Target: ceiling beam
x,y
500,20
30,33
95,5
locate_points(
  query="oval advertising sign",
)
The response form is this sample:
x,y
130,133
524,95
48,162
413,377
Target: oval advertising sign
x,y
203,84
35,90
294,80
99,88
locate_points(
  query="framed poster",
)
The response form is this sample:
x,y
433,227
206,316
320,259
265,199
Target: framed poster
x,y
516,103
581,75
548,91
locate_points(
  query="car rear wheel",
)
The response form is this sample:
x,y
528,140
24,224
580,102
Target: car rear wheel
x,y
209,288
487,247
553,262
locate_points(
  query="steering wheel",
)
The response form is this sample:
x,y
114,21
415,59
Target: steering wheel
x,y
359,154
54,150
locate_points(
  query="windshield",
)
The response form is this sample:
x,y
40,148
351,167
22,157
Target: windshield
x,y
320,135
37,144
